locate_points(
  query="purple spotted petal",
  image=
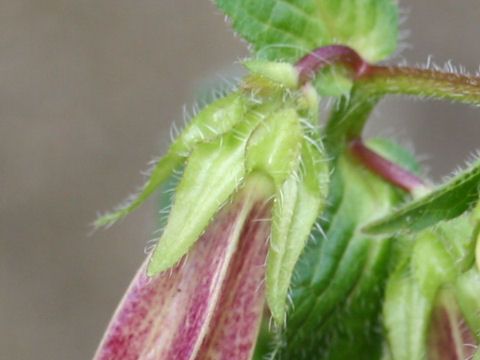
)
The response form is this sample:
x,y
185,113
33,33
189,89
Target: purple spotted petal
x,y
236,320
206,307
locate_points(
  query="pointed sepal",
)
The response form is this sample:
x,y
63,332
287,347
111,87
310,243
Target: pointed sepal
x,y
429,297
298,203
213,121
213,172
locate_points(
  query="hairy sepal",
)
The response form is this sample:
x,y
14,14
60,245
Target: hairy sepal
x,y
415,315
339,279
275,145
432,264
213,121
300,200
213,172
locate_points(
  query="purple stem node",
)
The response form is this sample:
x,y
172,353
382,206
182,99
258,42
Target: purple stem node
x,y
312,63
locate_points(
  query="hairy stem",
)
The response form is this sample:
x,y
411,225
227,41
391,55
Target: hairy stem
x,y
315,61
422,82
383,80
386,169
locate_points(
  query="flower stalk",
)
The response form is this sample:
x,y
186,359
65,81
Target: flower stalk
x,y
386,169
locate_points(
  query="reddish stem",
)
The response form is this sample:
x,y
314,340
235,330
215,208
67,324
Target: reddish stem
x,y
386,169
391,79
313,62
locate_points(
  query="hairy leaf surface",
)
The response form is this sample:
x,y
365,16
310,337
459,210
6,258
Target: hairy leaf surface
x,y
285,30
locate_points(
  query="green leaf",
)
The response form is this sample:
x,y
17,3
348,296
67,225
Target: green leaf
x,y
445,202
214,120
274,146
213,172
300,200
285,30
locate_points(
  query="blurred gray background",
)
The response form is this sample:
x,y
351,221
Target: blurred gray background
x,y
88,90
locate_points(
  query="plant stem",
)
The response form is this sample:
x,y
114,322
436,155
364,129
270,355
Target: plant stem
x,y
422,82
383,80
315,61
371,83
384,168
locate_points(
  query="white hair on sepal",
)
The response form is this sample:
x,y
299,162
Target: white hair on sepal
x,y
307,125
150,246
314,143
174,131
127,202
319,229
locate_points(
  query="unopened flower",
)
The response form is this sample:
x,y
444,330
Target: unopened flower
x,y
432,298
254,182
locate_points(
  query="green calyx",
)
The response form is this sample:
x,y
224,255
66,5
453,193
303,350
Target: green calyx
x,y
300,199
213,121
431,281
267,127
